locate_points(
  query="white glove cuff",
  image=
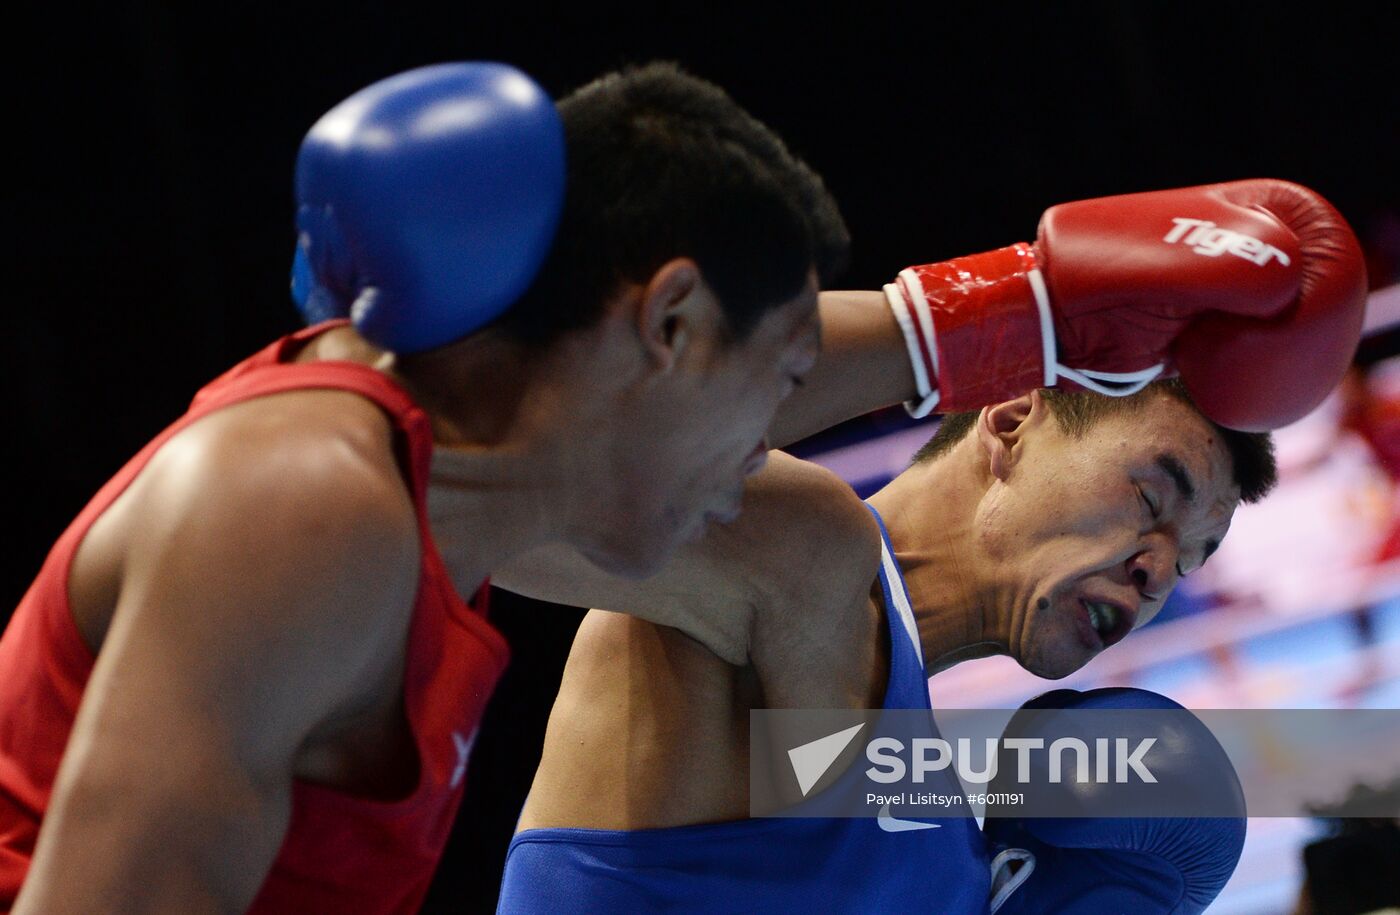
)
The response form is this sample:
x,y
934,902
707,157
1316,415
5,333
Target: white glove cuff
x,y
917,327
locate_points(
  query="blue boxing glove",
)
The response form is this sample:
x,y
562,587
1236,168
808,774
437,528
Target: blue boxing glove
x,y
1112,864
427,202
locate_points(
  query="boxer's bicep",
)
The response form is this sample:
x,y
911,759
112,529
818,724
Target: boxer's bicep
x,y
253,604
863,366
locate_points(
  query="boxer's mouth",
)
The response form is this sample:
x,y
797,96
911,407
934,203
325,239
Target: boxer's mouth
x,y
1110,620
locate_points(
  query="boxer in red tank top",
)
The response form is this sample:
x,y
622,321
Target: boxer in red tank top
x,y
245,676
343,852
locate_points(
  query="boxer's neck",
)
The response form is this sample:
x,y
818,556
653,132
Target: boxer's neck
x,y
929,511
500,453
516,431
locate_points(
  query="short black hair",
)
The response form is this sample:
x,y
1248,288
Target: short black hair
x,y
1075,412
662,164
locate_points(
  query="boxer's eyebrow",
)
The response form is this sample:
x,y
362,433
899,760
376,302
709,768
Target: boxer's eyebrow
x,y
1173,468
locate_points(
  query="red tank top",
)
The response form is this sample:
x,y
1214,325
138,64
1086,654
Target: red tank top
x,y
342,853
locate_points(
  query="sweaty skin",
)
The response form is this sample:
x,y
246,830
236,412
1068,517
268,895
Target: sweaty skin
x,y
998,541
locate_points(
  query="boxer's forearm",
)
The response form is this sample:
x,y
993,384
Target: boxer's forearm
x,y
864,365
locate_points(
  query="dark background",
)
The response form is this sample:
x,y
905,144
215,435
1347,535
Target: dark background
x,y
153,213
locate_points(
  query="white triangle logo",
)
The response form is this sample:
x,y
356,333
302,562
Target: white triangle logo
x,y
811,760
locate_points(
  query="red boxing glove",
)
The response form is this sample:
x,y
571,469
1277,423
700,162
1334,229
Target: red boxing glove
x,y
1253,291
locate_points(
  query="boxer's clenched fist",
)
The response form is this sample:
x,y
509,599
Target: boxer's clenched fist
x,y
1253,291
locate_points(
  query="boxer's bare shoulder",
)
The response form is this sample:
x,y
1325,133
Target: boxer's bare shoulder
x,y
805,536
803,540
262,570
298,475
817,570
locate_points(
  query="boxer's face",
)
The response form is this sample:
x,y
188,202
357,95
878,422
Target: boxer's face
x,y
1089,535
701,430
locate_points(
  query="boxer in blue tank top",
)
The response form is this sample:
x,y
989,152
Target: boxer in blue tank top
x,y
1045,528
768,865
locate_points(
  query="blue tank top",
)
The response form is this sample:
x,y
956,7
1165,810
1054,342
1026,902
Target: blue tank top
x,y
778,864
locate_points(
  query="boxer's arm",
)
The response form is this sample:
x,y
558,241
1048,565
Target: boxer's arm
x,y
802,531
864,365
253,605
703,592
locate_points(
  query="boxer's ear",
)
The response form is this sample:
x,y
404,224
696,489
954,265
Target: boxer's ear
x,y
1000,428
669,308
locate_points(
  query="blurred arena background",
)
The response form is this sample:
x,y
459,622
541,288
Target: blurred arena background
x,y
152,206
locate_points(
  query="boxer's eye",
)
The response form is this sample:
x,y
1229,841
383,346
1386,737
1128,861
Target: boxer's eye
x,y
1152,508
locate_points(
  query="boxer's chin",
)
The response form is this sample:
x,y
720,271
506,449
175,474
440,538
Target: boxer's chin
x,y
1051,668
1056,643
1053,656
626,562
641,554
